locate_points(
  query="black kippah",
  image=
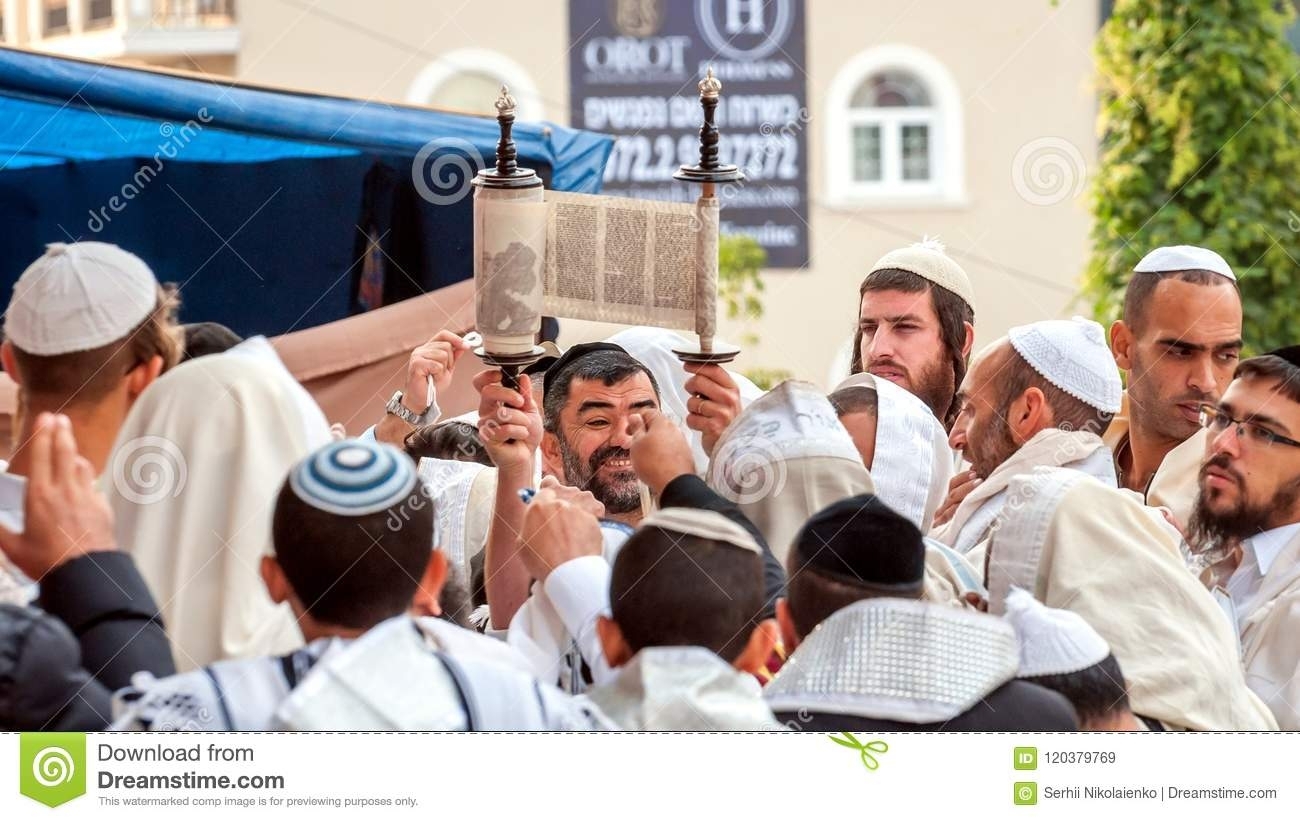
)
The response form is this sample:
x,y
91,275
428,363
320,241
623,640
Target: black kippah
x,y
1291,354
862,541
571,355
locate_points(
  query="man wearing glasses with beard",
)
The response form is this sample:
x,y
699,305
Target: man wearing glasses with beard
x,y
1248,512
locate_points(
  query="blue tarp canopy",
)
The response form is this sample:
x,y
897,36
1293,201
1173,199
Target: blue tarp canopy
x,y
264,205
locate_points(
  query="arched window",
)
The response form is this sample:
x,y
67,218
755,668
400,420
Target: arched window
x,y
894,130
470,80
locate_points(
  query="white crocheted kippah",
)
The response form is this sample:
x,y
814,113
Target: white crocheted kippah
x,y
1072,355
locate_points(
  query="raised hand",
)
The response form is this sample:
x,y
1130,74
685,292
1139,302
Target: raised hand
x,y
959,487
660,452
509,423
713,404
561,524
65,514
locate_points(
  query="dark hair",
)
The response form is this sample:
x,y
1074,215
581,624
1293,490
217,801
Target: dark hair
x,y
610,367
673,590
1096,692
1273,368
453,440
85,377
952,311
813,597
854,399
353,571
1018,376
206,338
454,598
1141,287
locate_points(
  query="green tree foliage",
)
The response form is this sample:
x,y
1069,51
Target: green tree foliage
x,y
740,285
1200,144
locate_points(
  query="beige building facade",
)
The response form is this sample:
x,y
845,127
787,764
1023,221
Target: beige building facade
x,y
1002,95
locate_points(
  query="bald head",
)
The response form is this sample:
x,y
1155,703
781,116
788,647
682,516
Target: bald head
x,y
1006,403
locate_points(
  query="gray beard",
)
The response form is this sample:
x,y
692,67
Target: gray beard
x,y
621,498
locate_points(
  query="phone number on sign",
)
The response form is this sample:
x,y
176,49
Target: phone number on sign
x,y
1078,757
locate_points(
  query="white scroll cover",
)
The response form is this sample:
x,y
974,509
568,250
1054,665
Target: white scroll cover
x,y
509,260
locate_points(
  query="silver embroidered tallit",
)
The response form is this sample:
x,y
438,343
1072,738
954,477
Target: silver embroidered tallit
x,y
897,660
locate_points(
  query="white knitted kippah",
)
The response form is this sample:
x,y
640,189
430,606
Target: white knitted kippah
x,y
706,524
1072,355
1184,258
927,259
1052,642
79,296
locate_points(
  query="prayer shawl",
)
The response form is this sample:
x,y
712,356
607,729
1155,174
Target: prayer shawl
x,y
192,481
1174,485
1079,545
912,463
683,689
555,636
1177,481
462,495
977,515
783,459
428,675
787,457
236,694
1270,638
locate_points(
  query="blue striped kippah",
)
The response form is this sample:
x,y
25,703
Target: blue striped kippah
x,y
353,477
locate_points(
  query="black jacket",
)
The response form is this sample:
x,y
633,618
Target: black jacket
x,y
691,491
59,665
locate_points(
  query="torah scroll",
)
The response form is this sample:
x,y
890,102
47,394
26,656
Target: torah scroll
x,y
634,262
509,263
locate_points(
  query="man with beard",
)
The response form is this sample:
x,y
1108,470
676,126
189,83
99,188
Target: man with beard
x,y
1039,397
1179,341
1249,508
916,324
590,397
582,431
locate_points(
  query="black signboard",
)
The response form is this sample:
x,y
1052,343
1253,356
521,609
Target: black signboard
x,y
633,70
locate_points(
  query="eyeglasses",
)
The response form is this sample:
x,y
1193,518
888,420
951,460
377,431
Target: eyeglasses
x,y
1217,421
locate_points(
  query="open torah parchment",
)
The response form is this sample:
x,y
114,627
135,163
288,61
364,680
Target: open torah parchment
x,y
608,259
633,262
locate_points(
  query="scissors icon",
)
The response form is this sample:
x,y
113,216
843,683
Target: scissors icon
x,y
868,760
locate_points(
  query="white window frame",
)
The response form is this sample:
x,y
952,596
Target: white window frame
x,y
947,183
528,100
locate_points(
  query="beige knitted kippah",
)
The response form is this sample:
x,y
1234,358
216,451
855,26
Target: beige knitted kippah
x,y
927,259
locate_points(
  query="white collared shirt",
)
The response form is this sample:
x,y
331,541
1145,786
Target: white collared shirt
x,y
1258,554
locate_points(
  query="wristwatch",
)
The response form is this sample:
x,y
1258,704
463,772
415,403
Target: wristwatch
x,y
410,417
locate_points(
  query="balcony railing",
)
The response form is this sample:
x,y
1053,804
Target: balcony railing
x,y
191,13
